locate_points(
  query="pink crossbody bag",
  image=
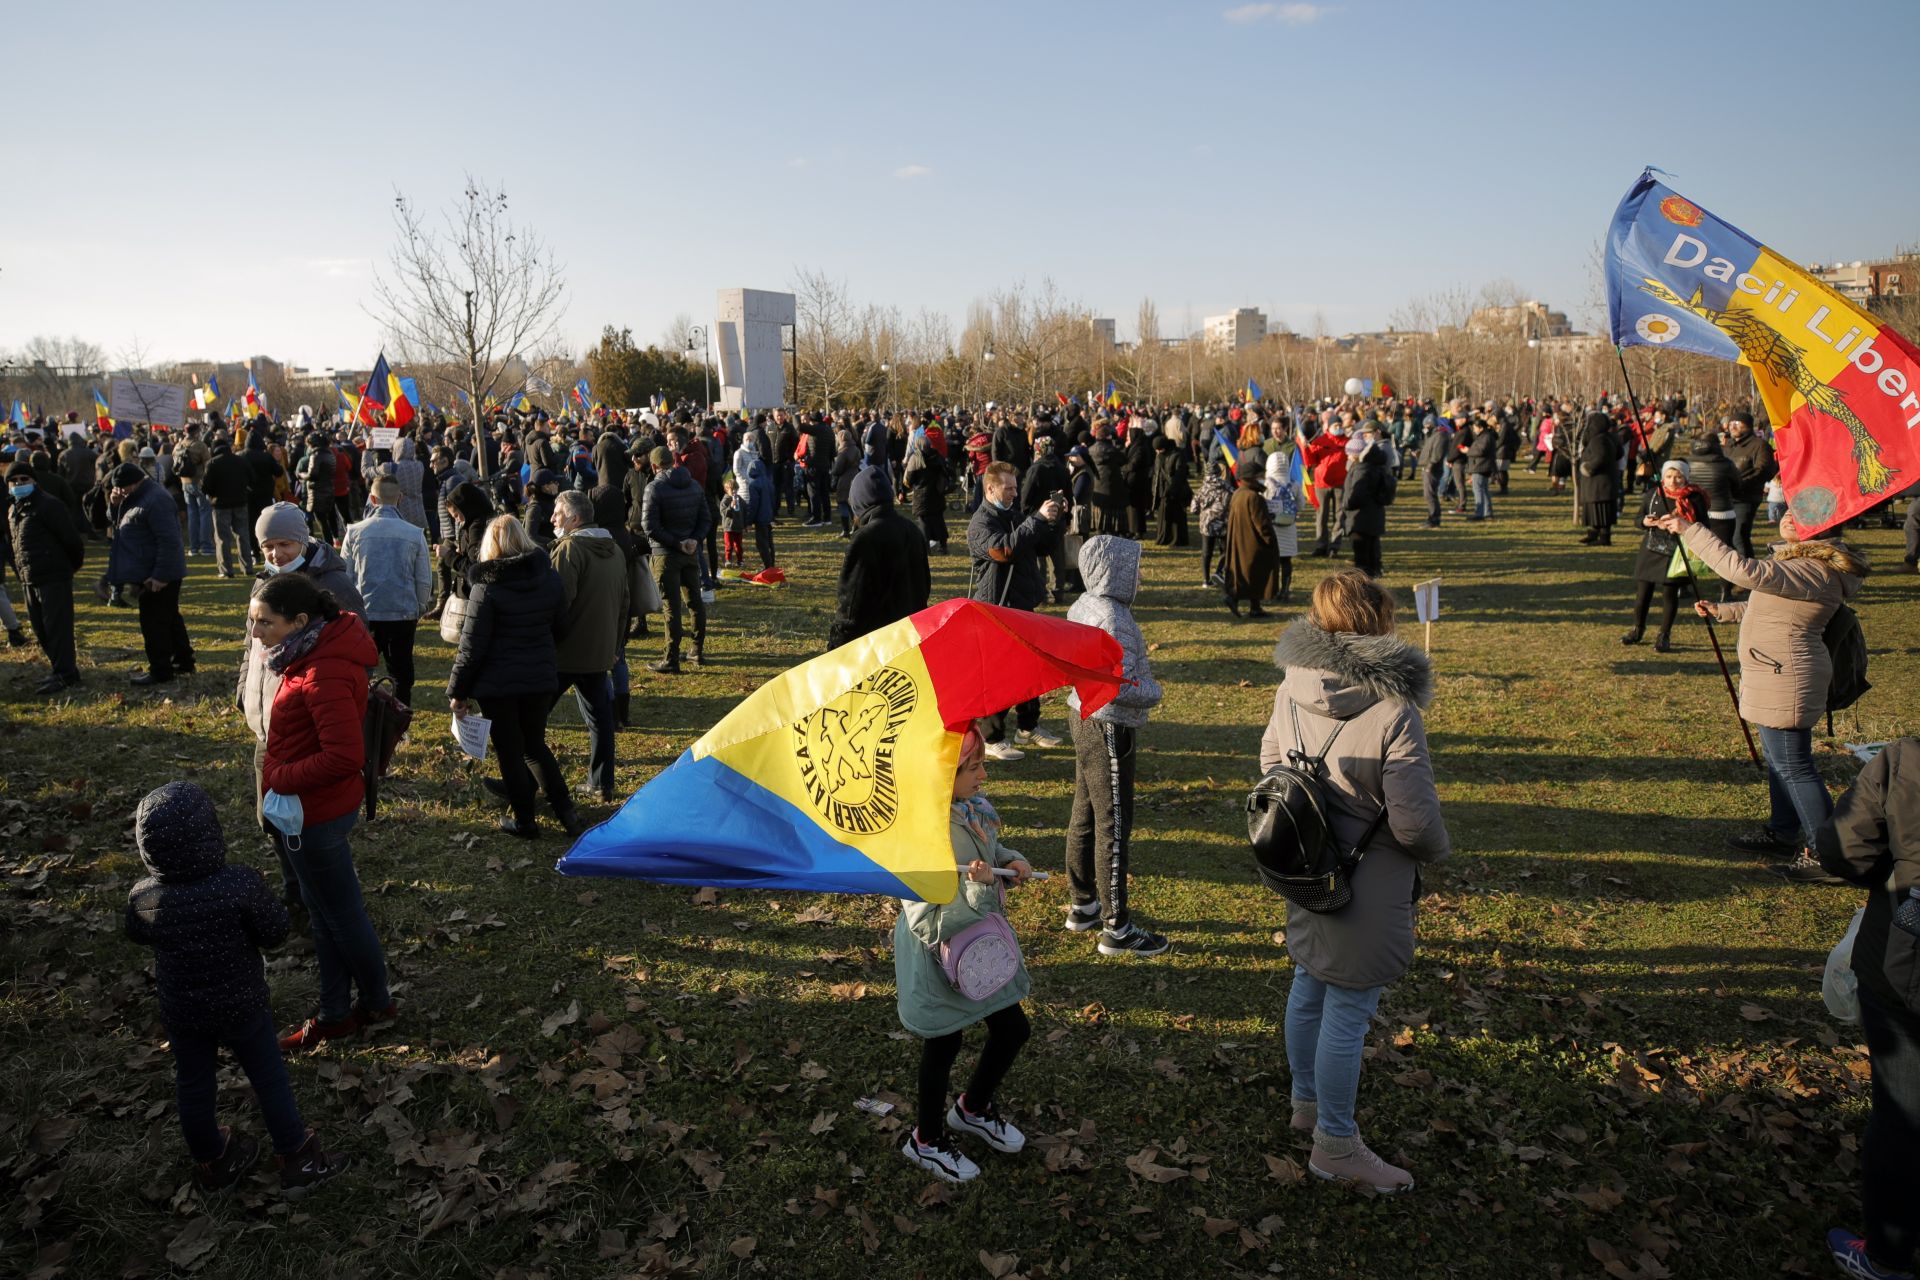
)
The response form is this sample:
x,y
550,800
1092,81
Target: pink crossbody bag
x,y
983,957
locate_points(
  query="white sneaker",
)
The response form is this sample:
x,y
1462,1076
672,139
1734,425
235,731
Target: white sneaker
x,y
942,1162
1004,751
989,1128
1359,1166
1080,919
1037,738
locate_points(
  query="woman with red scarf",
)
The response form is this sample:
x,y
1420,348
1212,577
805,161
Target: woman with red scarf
x,y
1653,564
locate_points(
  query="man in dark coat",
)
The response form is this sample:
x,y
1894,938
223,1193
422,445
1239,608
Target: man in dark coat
x,y
262,470
1138,471
885,576
228,483
1753,465
675,516
1363,505
1045,478
48,550
1597,485
1006,546
1109,464
149,553
1250,565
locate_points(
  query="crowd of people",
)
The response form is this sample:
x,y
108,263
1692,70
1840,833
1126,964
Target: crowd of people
x,y
540,547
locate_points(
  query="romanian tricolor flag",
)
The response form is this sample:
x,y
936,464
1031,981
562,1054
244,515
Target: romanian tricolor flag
x,y
102,417
837,776
1842,389
399,402
1253,391
255,402
581,396
1113,396
520,402
1227,446
371,409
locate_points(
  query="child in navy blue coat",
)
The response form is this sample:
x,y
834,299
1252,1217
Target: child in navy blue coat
x,y
206,921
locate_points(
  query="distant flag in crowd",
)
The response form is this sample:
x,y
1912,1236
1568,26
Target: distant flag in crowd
x,y
1227,446
102,417
580,394
1253,391
837,775
256,403
1113,395
371,409
520,402
1841,388
399,401
1381,389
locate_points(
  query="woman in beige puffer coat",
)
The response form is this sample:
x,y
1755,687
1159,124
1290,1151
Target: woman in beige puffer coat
x,y
1784,669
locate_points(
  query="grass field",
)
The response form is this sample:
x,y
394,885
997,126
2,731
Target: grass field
x,y
1610,1057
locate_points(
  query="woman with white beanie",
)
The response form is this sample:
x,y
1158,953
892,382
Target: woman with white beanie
x,y
1654,564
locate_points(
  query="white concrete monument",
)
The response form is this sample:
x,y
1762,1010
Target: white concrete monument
x,y
747,326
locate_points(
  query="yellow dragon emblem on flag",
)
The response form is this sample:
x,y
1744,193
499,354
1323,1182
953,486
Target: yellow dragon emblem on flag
x,y
1764,349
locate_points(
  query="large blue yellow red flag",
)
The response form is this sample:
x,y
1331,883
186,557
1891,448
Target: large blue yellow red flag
x,y
1113,396
837,776
1253,391
102,417
400,393
19,413
581,395
372,406
255,402
1841,389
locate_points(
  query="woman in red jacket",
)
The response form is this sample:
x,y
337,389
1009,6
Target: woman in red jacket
x,y
315,753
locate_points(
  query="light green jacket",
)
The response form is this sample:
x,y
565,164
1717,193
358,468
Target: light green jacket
x,y
929,1006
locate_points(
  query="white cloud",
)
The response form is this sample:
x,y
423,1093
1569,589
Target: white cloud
x,y
912,171
338,268
1292,15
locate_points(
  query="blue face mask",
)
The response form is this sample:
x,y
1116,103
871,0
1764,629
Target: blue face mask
x,y
287,815
20,491
290,566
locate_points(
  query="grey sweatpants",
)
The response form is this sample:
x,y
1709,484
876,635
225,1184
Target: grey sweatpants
x,y
1101,823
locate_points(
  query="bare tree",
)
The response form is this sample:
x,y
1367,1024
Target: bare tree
x,y
678,335
473,291
828,361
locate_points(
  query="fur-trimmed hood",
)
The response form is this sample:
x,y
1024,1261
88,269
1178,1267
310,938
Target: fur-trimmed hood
x,y
1340,675
527,564
1836,555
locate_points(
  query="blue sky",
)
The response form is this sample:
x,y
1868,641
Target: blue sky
x,y
217,180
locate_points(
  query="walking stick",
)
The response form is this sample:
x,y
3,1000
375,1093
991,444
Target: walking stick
x,y
1746,731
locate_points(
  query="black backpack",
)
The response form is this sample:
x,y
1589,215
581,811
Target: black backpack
x,y
1294,850
1847,648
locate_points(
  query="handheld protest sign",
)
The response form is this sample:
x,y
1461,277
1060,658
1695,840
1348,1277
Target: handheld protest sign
x,y
1426,605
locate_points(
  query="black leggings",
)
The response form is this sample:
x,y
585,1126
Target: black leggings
x,y
1209,543
1643,600
520,737
1007,1030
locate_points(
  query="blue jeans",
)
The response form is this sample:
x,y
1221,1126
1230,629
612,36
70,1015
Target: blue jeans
x,y
199,519
1326,1029
1482,495
344,940
1799,797
593,690
256,1047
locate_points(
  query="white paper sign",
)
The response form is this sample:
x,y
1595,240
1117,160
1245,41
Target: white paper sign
x,y
134,401
1426,600
73,429
471,732
386,437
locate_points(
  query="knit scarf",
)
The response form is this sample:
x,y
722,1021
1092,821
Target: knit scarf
x,y
295,646
978,816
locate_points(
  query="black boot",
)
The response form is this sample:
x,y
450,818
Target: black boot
x,y
669,665
569,816
1632,637
621,703
1662,644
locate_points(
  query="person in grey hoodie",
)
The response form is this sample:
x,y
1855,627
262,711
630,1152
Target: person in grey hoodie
x,y
1104,756
1352,692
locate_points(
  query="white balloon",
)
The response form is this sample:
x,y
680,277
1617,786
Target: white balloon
x,y
1356,387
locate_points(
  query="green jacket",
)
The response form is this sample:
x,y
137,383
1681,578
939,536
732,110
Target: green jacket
x,y
593,570
929,1006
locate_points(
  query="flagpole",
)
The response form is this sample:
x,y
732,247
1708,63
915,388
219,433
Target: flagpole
x,y
1753,753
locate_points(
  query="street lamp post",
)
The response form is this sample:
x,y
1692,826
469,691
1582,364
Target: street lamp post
x,y
1534,343
706,369
886,377
988,359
